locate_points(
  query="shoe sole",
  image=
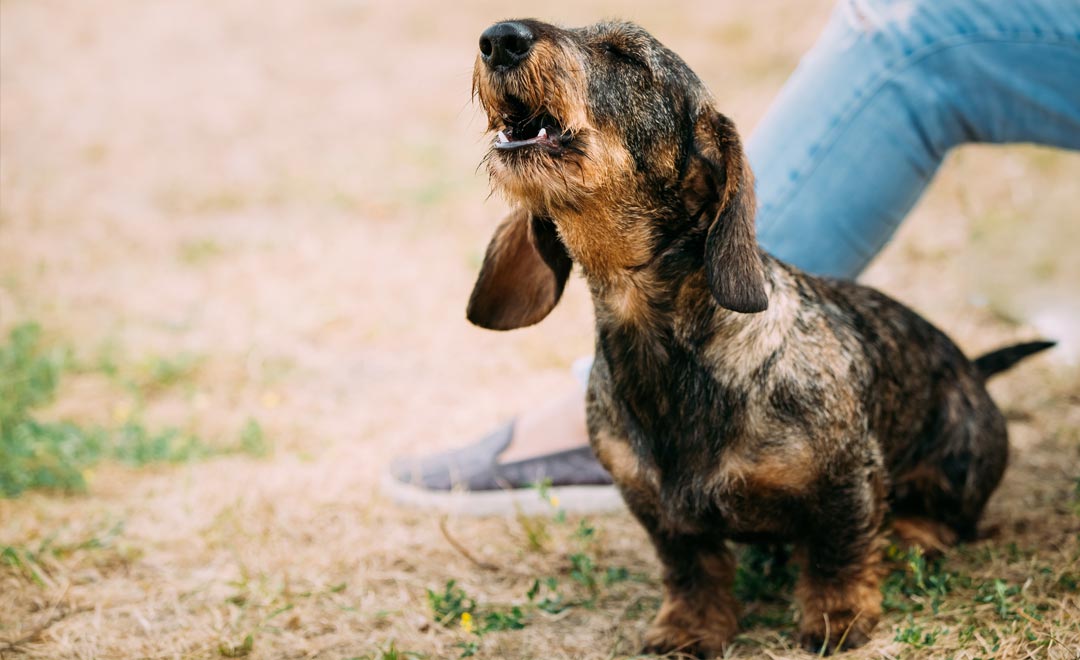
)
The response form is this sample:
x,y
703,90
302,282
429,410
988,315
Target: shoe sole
x,y
572,499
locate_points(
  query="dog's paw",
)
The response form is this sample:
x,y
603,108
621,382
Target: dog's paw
x,y
667,641
841,636
664,640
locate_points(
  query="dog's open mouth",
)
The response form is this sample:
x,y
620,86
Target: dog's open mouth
x,y
530,128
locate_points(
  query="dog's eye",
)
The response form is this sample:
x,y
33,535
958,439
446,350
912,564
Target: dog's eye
x,y
620,54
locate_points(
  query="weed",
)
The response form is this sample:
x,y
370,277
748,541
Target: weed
x,y
583,571
999,593
240,650
498,621
915,581
32,562
553,601
536,531
451,603
469,648
24,562
916,636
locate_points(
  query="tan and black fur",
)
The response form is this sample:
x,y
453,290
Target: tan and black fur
x,y
733,397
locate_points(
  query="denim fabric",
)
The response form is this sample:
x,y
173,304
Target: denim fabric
x,y
862,125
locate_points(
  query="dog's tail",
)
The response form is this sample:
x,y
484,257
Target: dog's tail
x,y
997,361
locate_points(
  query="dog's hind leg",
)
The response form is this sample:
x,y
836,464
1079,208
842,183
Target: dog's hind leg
x,y
938,498
933,537
699,614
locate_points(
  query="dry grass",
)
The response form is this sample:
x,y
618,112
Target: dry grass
x,y
286,191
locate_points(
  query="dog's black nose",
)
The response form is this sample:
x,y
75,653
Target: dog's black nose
x,y
504,45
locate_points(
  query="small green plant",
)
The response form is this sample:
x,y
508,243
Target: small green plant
x,y
469,648
1000,594
915,581
450,604
552,600
916,636
24,562
513,619
453,604
536,532
583,571
241,650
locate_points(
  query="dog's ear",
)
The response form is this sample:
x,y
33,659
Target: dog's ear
x,y
523,275
719,177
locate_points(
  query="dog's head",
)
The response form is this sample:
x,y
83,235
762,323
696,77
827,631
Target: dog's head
x,y
612,150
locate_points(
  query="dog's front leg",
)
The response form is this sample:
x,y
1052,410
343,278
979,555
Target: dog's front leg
x,y
699,614
838,588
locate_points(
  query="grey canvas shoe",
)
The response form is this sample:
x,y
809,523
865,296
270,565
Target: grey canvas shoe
x,y
470,480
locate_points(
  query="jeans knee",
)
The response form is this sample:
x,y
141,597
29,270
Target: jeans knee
x,y
886,33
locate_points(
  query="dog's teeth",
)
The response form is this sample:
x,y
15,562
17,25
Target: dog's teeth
x,y
542,134
502,139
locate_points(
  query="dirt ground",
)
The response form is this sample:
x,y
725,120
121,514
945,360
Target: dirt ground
x,y
288,192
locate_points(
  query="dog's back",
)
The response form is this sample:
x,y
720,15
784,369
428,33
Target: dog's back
x,y
942,439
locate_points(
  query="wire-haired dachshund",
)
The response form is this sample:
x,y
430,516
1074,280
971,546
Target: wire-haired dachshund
x,y
733,397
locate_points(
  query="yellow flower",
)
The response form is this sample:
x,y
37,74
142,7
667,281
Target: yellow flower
x,y
466,622
554,501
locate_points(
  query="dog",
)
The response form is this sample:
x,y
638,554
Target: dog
x,y
732,397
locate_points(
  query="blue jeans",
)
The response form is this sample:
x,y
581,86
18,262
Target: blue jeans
x,y
860,128
862,125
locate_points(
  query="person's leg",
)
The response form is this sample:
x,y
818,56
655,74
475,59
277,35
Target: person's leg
x,y
552,426
862,125
860,128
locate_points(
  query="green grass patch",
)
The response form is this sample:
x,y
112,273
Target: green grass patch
x,y
32,561
916,582
37,454
581,582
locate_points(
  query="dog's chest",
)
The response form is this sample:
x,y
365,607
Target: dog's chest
x,y
742,495
697,449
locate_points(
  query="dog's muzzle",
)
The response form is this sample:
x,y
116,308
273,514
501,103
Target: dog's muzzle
x,y
503,48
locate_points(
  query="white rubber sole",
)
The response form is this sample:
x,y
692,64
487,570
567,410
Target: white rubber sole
x,y
572,499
